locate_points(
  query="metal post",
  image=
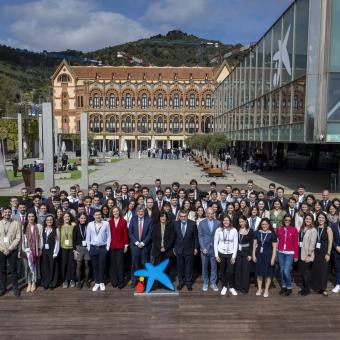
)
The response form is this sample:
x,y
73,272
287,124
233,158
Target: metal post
x,y
20,144
84,182
4,182
41,152
48,145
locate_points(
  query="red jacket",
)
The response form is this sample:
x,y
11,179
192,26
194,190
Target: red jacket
x,y
291,240
119,233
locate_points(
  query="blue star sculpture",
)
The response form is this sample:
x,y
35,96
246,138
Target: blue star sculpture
x,y
155,273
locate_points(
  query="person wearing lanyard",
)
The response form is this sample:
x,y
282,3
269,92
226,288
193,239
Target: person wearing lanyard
x,y
119,246
264,254
336,254
225,248
67,257
288,250
243,257
10,235
254,219
49,258
98,240
323,249
307,241
81,254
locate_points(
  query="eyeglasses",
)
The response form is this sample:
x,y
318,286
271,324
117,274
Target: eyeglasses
x,y
53,192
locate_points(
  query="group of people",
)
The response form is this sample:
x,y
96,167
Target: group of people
x,y
242,236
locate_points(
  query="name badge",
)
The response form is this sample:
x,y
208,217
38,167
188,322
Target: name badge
x,y
83,243
47,246
6,239
274,225
300,244
284,247
261,250
239,247
67,242
318,245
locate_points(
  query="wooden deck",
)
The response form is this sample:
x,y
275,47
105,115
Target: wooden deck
x,y
113,314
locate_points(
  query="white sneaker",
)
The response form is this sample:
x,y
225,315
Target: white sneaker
x,y
224,291
95,287
102,286
233,291
336,289
214,288
205,288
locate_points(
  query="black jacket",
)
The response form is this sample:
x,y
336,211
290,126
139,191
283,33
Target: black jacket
x,y
187,244
169,238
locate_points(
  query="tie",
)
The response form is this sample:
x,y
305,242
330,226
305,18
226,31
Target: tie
x,y
88,211
140,229
324,204
22,219
15,211
292,212
160,205
183,229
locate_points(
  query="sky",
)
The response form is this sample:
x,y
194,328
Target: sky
x,y
87,25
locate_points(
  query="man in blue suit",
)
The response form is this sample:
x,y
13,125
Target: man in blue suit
x,y
206,234
140,231
185,248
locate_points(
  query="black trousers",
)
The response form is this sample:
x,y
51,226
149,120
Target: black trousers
x,y
185,265
117,267
11,259
305,269
98,257
68,265
138,260
226,270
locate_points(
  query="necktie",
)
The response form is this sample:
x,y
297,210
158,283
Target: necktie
x,y
22,219
88,211
15,211
183,229
292,212
140,229
159,205
324,204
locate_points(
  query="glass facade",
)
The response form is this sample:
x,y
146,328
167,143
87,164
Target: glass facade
x,y
263,98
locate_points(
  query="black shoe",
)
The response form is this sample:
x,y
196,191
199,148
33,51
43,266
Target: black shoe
x,y
305,293
88,284
16,292
189,287
2,292
120,286
288,292
301,291
114,285
180,286
80,284
320,291
282,291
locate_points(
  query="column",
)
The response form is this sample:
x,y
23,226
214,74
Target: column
x,y
40,123
20,144
84,182
56,145
4,182
47,118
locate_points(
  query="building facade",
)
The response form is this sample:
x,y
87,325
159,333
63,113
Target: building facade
x,y
284,96
133,108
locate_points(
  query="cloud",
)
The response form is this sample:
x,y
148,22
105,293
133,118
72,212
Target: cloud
x,y
56,25
177,11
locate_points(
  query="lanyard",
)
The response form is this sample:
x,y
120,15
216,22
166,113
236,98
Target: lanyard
x,y
263,241
81,233
95,228
301,236
67,232
225,239
320,234
240,238
253,222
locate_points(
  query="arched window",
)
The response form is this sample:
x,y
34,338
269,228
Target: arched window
x,y
159,101
144,125
158,125
192,101
144,101
64,78
96,101
111,124
208,101
207,125
112,101
128,101
176,101
175,125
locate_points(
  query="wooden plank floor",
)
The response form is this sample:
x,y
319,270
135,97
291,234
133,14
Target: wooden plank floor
x,y
113,314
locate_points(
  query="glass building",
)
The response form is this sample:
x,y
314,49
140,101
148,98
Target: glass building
x,y
285,93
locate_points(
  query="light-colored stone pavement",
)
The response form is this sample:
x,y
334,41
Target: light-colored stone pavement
x,y
146,170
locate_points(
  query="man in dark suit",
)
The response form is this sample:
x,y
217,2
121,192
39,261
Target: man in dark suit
x,y
269,202
291,209
252,201
197,192
280,195
120,202
186,246
140,232
325,202
157,187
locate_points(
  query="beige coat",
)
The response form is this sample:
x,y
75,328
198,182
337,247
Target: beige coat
x,y
308,245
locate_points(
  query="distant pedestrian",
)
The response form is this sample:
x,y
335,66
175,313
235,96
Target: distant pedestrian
x,y
15,164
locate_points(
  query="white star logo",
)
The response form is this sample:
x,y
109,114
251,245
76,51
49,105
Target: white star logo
x,y
281,57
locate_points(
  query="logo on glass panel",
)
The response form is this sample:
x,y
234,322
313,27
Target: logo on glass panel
x,y
281,57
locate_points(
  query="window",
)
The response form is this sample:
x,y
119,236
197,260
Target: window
x,y
96,101
111,125
176,101
144,101
159,101
159,126
128,101
208,101
112,101
64,78
192,101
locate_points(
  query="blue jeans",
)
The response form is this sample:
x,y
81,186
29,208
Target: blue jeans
x,y
206,259
285,262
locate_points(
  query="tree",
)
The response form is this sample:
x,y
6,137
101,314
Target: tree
x,y
217,141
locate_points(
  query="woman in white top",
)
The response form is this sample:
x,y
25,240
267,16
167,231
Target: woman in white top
x,y
225,247
304,210
263,213
254,219
32,244
200,215
187,207
129,213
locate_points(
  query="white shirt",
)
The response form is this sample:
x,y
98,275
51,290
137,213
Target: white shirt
x,y
226,242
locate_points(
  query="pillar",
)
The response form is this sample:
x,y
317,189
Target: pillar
x,y
20,144
4,182
40,122
84,182
47,121
56,145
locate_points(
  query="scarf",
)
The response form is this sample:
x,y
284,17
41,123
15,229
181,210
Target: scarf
x,y
33,244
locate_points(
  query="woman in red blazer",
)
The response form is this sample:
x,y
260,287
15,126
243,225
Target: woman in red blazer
x,y
119,246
